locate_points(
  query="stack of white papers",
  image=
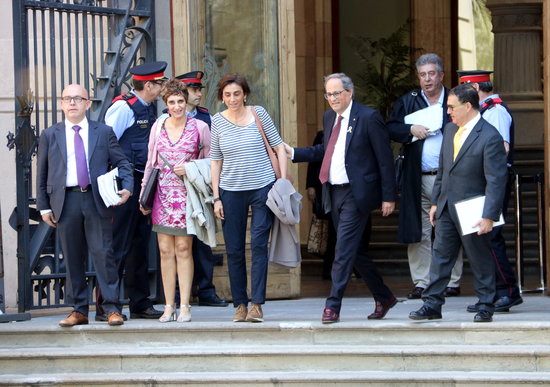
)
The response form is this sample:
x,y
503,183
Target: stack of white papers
x,y
108,188
469,213
430,117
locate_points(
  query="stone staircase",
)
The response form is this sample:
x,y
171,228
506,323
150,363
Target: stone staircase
x,y
514,350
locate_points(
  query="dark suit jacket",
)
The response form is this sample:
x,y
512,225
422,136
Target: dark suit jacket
x,y
479,169
369,158
103,152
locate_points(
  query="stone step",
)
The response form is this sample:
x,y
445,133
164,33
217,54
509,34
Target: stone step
x,y
282,378
291,333
306,358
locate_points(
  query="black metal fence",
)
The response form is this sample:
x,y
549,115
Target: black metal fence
x,y
56,43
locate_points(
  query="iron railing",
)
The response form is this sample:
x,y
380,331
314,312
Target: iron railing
x,y
56,43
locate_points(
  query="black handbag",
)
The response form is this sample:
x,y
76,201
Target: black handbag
x,y
148,196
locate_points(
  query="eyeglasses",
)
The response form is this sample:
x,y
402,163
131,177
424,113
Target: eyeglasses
x,y
336,94
453,107
76,99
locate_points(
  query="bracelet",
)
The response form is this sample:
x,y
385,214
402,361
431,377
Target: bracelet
x,y
216,200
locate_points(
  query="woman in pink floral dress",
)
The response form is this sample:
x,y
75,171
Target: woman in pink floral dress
x,y
174,140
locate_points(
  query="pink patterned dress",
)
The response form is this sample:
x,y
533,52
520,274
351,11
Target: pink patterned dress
x,y
169,206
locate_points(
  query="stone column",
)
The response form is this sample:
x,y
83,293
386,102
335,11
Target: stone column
x,y
431,31
546,76
517,26
518,77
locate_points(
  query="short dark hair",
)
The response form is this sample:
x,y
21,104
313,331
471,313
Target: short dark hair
x,y
174,87
466,93
233,78
486,87
138,85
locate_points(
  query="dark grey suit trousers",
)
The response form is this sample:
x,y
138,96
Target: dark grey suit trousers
x,y
352,243
448,239
82,229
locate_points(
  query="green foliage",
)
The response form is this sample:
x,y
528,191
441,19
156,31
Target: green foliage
x,y
387,71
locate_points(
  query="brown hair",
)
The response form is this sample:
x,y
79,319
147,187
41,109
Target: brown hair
x,y
232,78
174,87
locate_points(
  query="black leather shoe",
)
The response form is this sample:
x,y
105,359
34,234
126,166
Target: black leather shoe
x,y
149,313
212,301
452,292
103,317
504,303
472,308
483,316
425,313
416,293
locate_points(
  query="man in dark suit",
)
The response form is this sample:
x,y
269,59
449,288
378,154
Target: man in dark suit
x,y
71,156
358,176
472,163
494,111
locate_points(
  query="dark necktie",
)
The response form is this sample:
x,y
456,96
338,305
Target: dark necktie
x,y
327,158
80,155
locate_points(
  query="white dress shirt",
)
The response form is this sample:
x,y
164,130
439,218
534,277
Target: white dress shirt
x,y
337,173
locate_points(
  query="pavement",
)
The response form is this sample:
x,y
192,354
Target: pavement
x,y
535,309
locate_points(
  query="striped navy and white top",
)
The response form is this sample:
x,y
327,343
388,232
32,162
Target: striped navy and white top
x,y
246,164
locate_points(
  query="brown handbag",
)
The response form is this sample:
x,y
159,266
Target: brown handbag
x,y
270,152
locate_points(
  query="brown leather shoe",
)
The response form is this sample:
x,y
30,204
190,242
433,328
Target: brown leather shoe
x,y
381,309
75,318
330,316
115,318
452,292
416,293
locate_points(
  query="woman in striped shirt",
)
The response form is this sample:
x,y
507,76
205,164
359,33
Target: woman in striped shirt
x,y
242,176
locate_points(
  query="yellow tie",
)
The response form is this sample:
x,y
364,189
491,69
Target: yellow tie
x,y
457,141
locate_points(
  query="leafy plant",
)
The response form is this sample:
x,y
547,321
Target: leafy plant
x,y
388,72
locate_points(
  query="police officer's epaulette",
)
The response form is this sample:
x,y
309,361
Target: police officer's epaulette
x,y
128,97
202,109
491,102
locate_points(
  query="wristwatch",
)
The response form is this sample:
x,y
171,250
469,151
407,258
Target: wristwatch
x,y
216,200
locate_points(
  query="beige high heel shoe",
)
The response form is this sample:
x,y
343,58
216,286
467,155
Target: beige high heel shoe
x,y
185,313
169,314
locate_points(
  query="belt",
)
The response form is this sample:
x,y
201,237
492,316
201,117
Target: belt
x,y
432,172
340,185
78,188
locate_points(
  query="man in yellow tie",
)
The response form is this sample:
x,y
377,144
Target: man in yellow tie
x,y
472,163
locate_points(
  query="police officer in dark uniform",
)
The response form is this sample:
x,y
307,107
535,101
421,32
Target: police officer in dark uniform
x,y
202,253
131,116
495,111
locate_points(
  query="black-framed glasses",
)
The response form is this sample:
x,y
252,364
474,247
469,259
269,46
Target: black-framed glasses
x,y
335,94
76,99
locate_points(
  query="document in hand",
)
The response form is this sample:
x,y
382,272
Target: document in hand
x,y
108,187
469,213
430,117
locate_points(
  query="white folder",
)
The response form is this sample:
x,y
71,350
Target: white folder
x,y
108,187
470,212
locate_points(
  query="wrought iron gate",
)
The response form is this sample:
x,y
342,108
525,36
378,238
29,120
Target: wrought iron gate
x,y
56,43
